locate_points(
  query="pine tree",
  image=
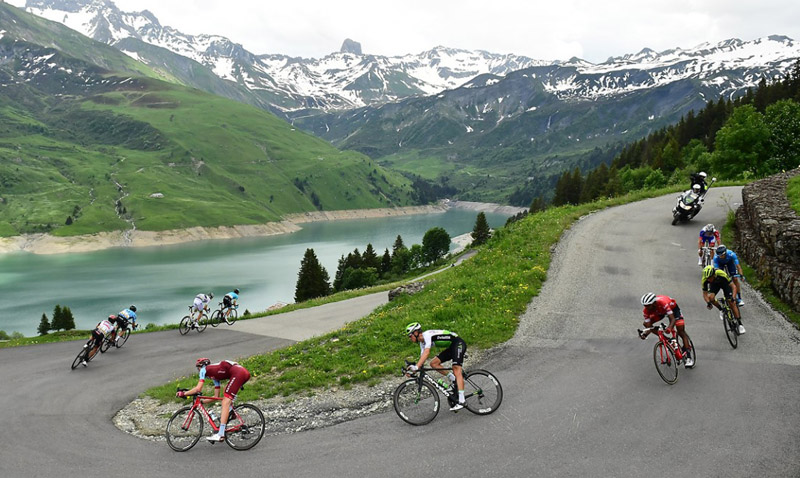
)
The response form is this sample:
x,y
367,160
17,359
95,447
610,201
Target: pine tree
x,y
398,244
386,263
69,320
58,319
370,258
44,325
312,279
480,233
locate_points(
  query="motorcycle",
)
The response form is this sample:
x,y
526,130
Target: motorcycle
x,y
689,204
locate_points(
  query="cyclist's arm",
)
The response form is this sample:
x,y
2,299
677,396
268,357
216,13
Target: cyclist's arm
x,y
423,357
672,320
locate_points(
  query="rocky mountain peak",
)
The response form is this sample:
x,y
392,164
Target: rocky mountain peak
x,y
351,46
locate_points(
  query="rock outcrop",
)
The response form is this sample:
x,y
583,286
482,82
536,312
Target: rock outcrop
x,y
768,235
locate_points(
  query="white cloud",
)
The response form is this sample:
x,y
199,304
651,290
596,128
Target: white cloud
x,y
554,30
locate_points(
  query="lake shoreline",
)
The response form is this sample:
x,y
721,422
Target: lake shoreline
x,y
48,244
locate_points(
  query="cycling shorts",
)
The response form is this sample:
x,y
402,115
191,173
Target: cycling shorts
x,y
239,375
454,352
198,304
676,311
226,301
718,285
98,337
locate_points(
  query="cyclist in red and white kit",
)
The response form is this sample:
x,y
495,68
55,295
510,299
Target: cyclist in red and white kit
x,y
224,370
656,307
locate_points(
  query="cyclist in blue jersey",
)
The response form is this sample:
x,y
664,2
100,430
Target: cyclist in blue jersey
x,y
125,317
729,262
454,349
230,301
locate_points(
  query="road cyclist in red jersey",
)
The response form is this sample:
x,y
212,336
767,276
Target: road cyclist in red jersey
x,y
656,307
235,374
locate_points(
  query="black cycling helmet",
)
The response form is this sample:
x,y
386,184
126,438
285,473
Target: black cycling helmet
x,y
235,291
132,308
210,295
721,249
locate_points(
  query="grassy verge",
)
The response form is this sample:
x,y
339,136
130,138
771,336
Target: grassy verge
x,y
481,300
763,286
793,193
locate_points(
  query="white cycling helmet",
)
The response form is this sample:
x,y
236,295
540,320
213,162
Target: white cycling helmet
x,y
702,174
709,228
648,299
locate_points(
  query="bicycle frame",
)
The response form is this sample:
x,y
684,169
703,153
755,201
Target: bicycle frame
x,y
660,329
198,403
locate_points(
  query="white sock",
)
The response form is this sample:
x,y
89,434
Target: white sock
x,y
461,398
221,429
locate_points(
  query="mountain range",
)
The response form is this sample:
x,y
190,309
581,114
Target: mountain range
x,y
476,122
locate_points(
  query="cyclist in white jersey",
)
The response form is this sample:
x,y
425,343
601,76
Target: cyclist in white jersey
x,y
200,304
454,349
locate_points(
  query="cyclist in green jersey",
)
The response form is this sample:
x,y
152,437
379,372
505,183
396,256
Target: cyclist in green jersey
x,y
454,349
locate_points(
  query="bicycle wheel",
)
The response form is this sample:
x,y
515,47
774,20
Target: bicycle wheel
x,y
183,327
731,327
666,365
245,428
216,318
107,340
202,323
415,405
184,429
79,358
123,338
232,316
482,392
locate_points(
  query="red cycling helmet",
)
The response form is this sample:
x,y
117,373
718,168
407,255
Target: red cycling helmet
x,y
202,362
112,317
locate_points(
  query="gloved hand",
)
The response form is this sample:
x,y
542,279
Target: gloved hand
x,y
670,331
181,394
412,368
709,305
641,334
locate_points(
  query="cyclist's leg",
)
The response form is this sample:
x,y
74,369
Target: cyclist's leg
x,y
458,349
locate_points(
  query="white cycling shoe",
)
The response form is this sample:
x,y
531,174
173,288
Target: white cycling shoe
x,y
689,362
741,329
215,438
457,407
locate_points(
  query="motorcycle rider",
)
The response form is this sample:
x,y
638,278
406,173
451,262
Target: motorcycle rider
x,y
699,179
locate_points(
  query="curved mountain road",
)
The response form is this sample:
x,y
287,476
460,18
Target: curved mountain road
x,y
582,397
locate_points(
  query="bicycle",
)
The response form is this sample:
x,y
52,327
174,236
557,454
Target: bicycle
x,y
85,354
246,425
187,323
121,339
108,341
416,400
708,259
226,314
730,323
667,354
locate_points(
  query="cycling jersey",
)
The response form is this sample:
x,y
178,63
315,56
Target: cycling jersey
x,y
230,299
722,281
709,237
226,370
200,301
105,327
455,347
728,263
664,305
127,315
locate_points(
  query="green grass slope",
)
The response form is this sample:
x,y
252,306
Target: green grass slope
x,y
90,145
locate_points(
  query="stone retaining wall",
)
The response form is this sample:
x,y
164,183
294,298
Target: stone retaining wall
x,y
768,235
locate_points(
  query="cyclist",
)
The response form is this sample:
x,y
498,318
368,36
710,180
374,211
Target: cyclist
x,y
713,281
455,349
709,236
729,262
224,370
103,328
230,300
199,305
125,317
699,179
656,307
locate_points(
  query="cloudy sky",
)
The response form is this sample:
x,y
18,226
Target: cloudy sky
x,y
589,29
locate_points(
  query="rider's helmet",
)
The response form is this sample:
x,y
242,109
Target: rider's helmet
x,y
210,295
721,249
112,317
708,271
132,308
696,189
702,174
235,291
648,299
709,228
201,362
412,327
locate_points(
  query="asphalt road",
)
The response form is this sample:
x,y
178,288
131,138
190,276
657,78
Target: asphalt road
x,y
582,397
